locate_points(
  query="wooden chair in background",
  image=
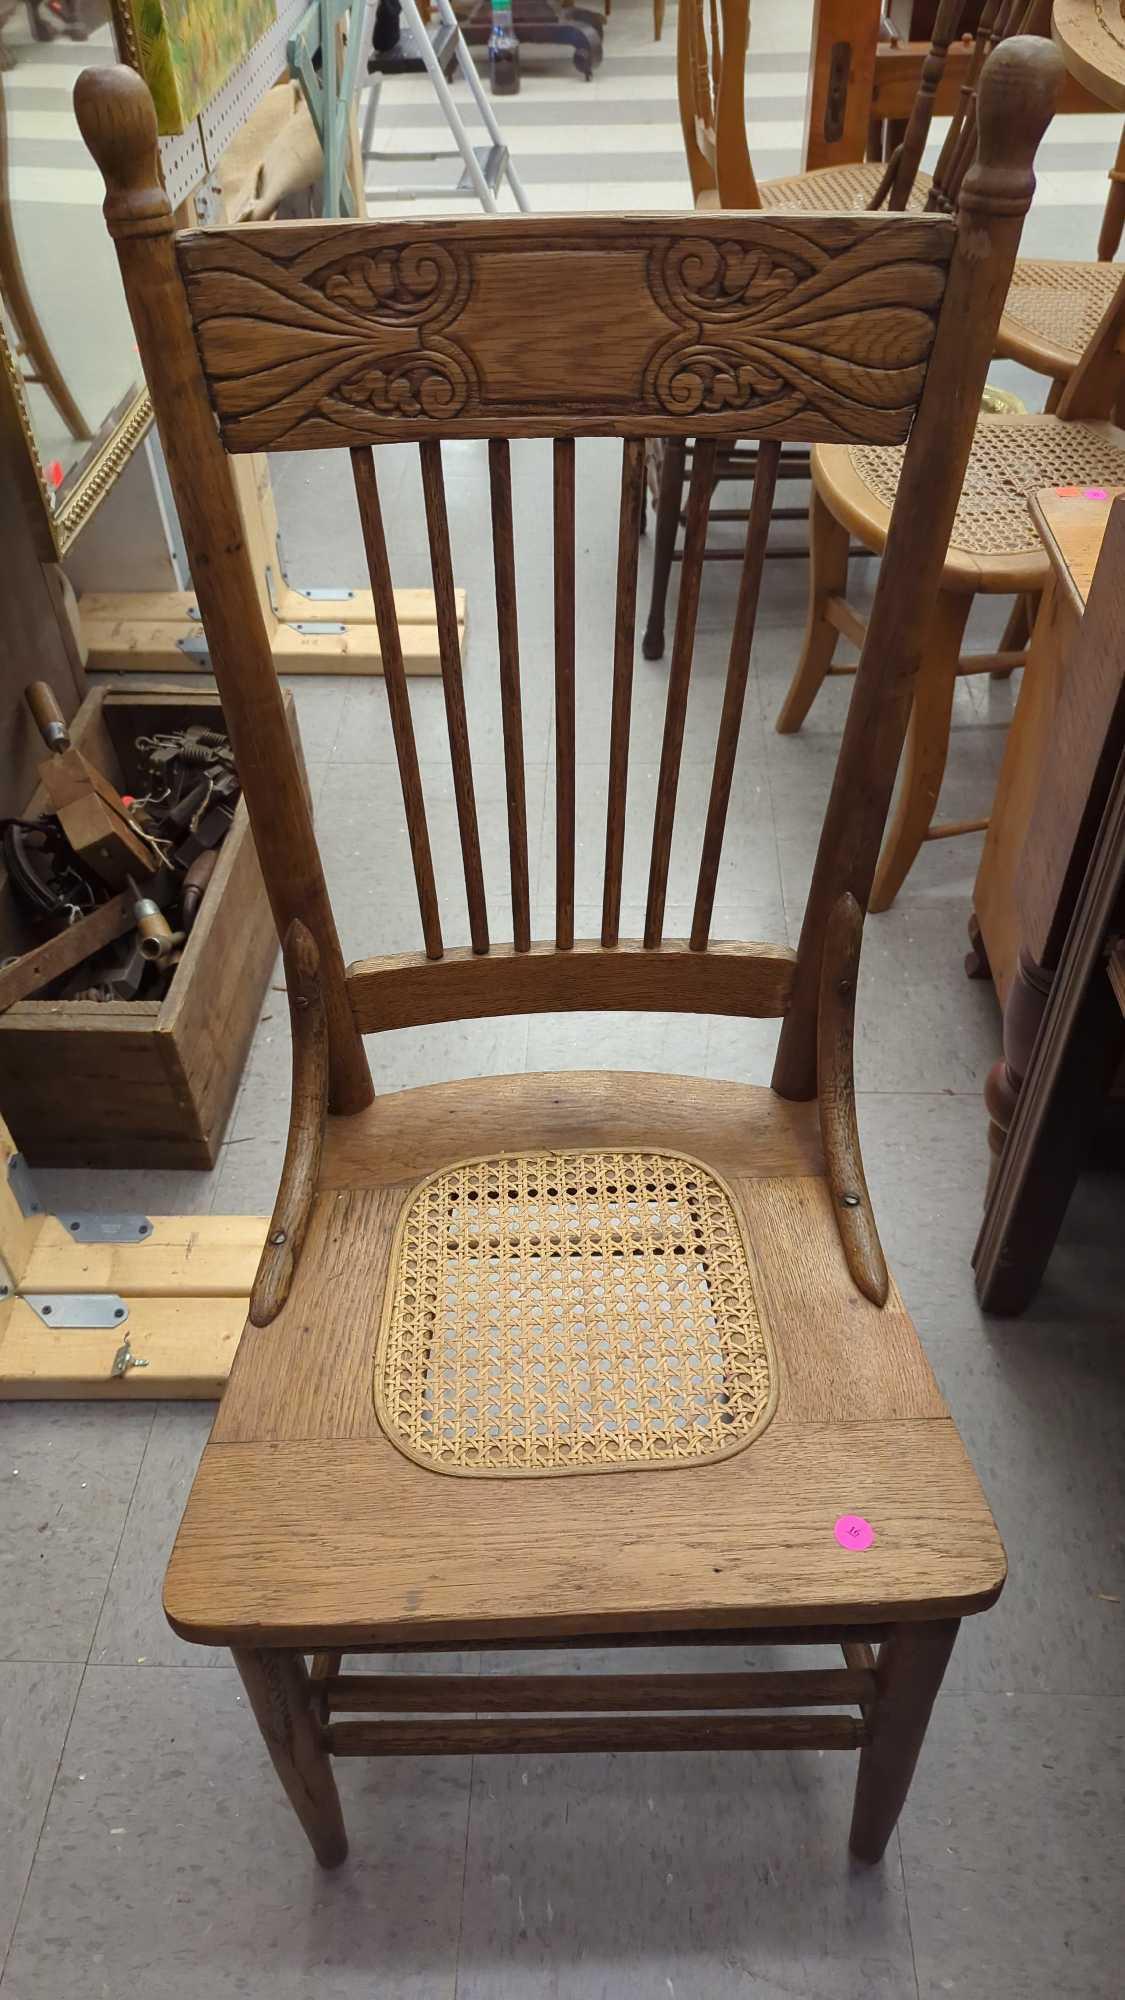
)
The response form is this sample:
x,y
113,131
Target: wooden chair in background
x,y
711,50
994,548
575,1273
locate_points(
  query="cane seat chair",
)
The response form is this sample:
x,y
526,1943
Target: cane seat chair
x,y
994,548
573,1358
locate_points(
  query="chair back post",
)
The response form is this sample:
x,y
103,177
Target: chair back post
x,y
908,155
711,85
1018,92
117,121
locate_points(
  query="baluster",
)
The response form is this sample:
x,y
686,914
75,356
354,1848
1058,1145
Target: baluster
x,y
624,640
564,693
398,699
503,550
449,647
734,695
695,537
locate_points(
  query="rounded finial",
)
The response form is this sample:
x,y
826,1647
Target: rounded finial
x,y
1019,89
117,119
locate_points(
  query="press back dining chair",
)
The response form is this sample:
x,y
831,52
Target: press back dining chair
x,y
578,1358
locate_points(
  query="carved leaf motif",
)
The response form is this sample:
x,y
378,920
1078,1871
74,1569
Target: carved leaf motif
x,y
778,330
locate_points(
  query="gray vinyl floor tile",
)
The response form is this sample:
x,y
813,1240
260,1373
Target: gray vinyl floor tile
x,y
67,1474
171,1864
687,1875
36,1700
1011,1842
132,1630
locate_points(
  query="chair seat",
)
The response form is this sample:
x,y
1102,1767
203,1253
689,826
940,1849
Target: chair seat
x,y
827,188
994,544
1052,311
309,1526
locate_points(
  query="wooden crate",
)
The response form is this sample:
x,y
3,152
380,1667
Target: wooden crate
x,y
142,1083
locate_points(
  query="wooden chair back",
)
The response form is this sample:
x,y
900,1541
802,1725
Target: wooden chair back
x,y
292,337
999,21
1096,389
711,47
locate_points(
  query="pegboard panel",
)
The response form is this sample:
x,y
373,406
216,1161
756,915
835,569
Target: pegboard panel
x,y
266,62
183,163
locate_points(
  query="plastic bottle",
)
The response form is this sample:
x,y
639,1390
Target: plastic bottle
x,y
503,52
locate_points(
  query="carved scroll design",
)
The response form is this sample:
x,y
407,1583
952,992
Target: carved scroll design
x,y
784,328
364,333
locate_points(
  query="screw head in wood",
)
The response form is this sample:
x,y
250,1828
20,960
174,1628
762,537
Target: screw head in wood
x,y
849,1201
277,1238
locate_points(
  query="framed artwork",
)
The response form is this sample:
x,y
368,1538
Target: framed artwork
x,y
188,49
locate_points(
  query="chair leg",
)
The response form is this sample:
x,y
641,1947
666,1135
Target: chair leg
x,y
909,1673
828,577
927,746
664,544
277,1685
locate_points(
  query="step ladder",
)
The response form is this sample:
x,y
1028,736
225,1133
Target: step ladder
x,y
439,48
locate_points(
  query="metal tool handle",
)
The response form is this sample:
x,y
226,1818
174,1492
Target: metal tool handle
x,y
49,717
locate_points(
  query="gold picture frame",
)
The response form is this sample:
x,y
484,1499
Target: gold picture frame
x,y
122,430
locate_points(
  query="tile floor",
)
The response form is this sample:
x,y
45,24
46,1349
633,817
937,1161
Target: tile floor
x,y
144,1845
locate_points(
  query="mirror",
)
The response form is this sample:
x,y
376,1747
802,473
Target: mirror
x,y
65,334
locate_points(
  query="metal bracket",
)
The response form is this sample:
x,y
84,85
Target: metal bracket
x,y
312,628
23,1186
195,646
78,1310
318,593
84,1225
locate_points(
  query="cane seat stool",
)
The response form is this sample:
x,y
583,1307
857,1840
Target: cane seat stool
x,y
591,1358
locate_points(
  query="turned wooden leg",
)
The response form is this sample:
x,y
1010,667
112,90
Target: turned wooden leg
x,y
828,577
664,544
907,1677
277,1685
927,745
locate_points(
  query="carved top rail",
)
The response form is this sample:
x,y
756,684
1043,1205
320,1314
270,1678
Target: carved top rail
x,y
810,327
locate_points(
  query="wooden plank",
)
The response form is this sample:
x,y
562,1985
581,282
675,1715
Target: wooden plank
x,y
19,1233
66,950
189,1344
161,607
136,645
753,980
1073,523
195,1256
749,1540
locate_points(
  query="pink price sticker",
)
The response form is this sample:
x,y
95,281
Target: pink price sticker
x,y
1094,493
853,1532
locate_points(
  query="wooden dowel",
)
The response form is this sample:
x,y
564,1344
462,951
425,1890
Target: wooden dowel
x,y
398,698
734,695
699,1636
679,677
848,623
504,557
564,693
949,829
859,1656
624,641
480,1736
553,1694
449,648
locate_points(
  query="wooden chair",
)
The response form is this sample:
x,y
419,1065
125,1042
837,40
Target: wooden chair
x,y
993,548
590,1273
711,48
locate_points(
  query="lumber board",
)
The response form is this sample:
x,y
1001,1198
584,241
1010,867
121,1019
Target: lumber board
x,y
189,1344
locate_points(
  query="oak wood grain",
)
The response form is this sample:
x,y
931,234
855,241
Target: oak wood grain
x,y
300,1171
539,1693
747,979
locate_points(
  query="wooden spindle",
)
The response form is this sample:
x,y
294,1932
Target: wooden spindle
x,y
695,537
398,698
734,695
564,693
504,557
624,641
457,723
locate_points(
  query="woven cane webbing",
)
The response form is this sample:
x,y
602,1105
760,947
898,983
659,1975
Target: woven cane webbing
x,y
571,1312
1059,302
827,189
1011,458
